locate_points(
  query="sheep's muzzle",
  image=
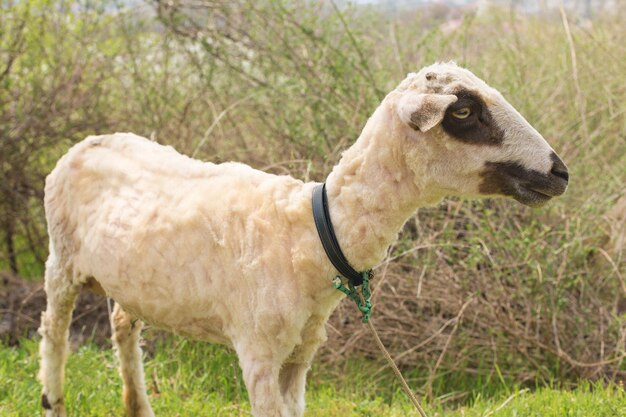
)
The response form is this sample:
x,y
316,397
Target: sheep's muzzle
x,y
527,186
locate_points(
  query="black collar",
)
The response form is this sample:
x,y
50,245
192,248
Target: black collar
x,y
329,240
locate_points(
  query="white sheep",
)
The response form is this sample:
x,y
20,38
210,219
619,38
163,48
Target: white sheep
x,y
229,254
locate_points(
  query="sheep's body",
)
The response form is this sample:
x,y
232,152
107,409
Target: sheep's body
x,y
164,234
222,253
230,254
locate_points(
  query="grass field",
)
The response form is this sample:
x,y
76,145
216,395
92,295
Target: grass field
x,y
194,379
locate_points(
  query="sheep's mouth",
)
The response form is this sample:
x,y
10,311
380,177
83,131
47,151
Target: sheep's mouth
x,y
530,197
529,187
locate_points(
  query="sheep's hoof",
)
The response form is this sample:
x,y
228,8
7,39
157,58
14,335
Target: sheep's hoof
x,y
57,411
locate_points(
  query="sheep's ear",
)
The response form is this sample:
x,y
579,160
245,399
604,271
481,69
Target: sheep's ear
x,y
423,111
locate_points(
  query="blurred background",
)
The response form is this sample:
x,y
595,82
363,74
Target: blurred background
x,y
474,292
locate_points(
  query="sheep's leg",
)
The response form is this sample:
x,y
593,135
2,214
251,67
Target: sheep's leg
x,y
293,373
53,349
126,333
292,385
260,373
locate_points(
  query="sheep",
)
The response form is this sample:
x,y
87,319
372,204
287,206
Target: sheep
x,y
229,254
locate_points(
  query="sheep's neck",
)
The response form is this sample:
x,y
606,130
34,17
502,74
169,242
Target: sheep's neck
x,y
372,192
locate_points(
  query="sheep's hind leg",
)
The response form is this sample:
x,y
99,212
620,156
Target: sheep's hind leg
x,y
126,334
55,323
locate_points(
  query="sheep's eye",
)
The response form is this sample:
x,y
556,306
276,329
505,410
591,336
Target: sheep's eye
x,y
463,113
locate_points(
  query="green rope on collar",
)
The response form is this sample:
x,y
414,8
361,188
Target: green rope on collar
x,y
362,298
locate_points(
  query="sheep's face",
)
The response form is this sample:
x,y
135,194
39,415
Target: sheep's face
x,y
472,141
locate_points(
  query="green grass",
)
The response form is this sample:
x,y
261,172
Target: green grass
x,y
194,379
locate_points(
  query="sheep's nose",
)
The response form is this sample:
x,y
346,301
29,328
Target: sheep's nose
x,y
558,168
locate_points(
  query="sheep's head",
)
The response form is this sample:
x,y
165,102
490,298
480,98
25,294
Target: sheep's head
x,y
472,141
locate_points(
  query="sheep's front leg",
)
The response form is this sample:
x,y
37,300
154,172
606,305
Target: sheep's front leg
x,y
126,333
260,374
294,371
292,385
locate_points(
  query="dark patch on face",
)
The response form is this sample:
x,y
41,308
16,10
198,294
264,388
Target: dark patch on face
x,y
45,403
478,128
527,186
